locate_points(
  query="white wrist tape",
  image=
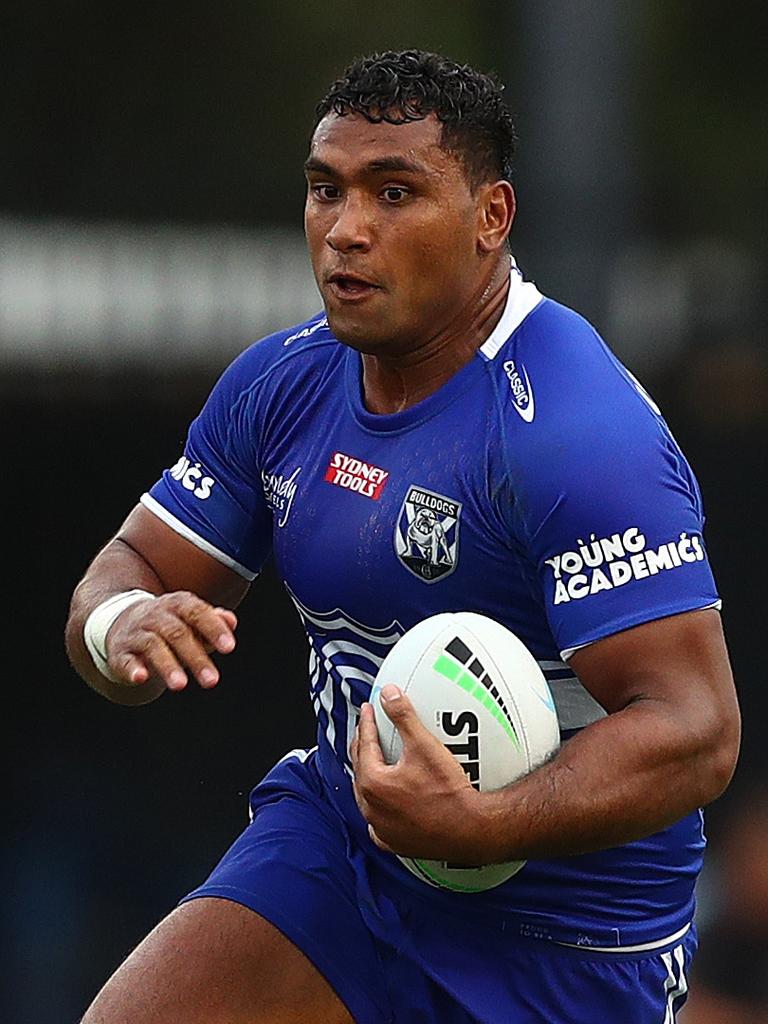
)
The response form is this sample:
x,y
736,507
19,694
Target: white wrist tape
x,y
99,622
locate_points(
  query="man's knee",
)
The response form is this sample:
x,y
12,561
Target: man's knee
x,y
212,961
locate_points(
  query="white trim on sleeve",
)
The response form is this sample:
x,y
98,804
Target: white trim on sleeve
x,y
569,651
184,531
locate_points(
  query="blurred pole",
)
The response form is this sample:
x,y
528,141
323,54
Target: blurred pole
x,y
571,67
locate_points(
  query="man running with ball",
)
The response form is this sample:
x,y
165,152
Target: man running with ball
x,y
566,511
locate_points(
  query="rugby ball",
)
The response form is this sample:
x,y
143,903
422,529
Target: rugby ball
x,y
480,691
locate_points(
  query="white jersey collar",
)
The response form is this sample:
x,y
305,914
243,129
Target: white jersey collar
x,y
522,299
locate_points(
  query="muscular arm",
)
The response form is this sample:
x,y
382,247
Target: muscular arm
x,y
668,745
153,641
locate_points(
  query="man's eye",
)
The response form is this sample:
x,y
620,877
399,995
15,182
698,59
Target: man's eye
x,y
325,192
394,194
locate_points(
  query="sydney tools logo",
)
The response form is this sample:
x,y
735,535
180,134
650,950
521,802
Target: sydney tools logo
x,y
355,475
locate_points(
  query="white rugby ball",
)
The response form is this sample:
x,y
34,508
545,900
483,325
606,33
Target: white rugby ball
x,y
480,691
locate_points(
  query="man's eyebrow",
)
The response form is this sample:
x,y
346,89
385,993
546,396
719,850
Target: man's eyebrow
x,y
319,166
383,163
396,163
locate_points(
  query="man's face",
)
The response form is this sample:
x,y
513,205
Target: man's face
x,y
392,227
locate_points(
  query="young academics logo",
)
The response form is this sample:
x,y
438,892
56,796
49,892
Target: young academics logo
x,y
608,562
522,392
355,475
192,477
427,534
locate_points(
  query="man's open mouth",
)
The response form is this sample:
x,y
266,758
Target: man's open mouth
x,y
351,286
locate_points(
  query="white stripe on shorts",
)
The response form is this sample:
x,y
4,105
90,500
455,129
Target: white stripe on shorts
x,y
674,989
644,947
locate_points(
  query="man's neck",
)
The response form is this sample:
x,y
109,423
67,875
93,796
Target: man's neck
x,y
393,384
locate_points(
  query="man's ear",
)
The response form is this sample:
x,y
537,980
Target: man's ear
x,y
496,211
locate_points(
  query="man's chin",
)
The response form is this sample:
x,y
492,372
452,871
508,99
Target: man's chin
x,y
355,332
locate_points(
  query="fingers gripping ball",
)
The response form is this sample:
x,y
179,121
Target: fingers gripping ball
x,y
478,689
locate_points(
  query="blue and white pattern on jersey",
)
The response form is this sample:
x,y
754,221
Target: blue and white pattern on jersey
x,y
344,657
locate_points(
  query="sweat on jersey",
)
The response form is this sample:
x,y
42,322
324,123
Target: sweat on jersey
x,y
539,486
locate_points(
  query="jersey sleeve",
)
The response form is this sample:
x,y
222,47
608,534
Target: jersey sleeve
x,y
213,494
610,509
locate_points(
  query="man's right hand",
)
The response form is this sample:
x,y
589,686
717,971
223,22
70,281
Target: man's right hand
x,y
155,645
169,638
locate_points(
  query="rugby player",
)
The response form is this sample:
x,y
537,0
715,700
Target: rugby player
x,y
436,380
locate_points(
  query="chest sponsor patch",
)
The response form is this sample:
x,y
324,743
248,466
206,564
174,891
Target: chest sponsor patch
x,y
427,534
355,475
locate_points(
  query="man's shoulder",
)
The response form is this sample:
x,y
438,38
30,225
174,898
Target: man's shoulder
x,y
312,337
298,349
553,333
561,373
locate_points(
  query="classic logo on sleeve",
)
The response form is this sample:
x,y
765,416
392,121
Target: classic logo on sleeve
x,y
355,475
611,562
427,534
192,477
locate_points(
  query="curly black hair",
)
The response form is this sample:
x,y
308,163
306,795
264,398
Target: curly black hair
x,y
408,85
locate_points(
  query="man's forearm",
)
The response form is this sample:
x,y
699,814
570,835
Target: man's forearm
x,y
153,645
116,568
668,745
624,777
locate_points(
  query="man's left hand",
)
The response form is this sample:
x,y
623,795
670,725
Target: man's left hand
x,y
423,805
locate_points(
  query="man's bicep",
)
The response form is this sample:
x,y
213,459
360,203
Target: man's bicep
x,y
179,563
680,659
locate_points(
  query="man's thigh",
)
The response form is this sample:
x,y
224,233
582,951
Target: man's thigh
x,y
212,961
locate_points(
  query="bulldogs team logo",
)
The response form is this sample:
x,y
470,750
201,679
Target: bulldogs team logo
x,y
427,534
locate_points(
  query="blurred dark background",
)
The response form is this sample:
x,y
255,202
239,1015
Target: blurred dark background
x,y
150,210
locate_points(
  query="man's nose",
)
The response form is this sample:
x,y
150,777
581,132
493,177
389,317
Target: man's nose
x,y
351,230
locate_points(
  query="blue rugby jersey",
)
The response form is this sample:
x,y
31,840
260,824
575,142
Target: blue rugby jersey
x,y
539,486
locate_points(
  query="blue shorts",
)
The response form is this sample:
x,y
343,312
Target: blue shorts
x,y
391,958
